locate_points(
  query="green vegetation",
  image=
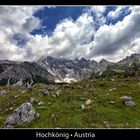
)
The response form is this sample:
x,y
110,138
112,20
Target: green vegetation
x,y
65,111
3,82
39,79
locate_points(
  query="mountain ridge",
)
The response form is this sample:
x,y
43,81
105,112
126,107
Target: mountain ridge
x,y
56,70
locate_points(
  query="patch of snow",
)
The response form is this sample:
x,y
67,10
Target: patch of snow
x,y
70,80
66,80
58,81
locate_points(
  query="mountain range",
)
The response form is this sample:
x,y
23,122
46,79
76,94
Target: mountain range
x,y
57,70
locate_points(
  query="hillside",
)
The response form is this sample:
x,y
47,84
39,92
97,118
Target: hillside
x,y
58,70
106,109
101,95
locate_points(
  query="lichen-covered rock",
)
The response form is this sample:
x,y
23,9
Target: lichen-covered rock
x,y
22,115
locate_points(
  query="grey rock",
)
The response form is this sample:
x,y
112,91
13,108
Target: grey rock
x,y
37,115
58,93
130,103
82,107
49,87
22,115
16,96
11,108
128,100
41,103
112,89
95,98
107,124
112,102
82,98
33,100
46,93
2,92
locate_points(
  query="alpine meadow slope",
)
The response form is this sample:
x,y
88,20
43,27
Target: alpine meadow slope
x,y
104,99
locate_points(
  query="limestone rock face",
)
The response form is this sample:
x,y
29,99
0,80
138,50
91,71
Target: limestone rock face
x,y
22,115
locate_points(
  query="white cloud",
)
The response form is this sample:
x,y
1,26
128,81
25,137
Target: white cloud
x,y
115,14
98,17
98,9
70,39
13,20
115,40
119,10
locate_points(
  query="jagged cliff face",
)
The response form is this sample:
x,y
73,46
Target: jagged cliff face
x,y
103,64
52,69
22,73
68,70
134,58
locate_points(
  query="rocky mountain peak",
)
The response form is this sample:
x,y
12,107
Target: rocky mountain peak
x,y
57,69
104,61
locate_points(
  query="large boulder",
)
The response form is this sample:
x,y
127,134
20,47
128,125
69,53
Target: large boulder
x,y
24,114
128,100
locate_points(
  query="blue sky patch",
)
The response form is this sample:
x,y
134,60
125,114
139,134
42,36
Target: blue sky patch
x,y
50,17
19,40
126,11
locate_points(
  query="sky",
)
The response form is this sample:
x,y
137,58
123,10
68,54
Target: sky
x,y
28,33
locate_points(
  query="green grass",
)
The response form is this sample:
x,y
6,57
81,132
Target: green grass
x,y
65,111
118,70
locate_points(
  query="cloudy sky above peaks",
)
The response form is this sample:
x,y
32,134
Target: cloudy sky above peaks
x,y
93,32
